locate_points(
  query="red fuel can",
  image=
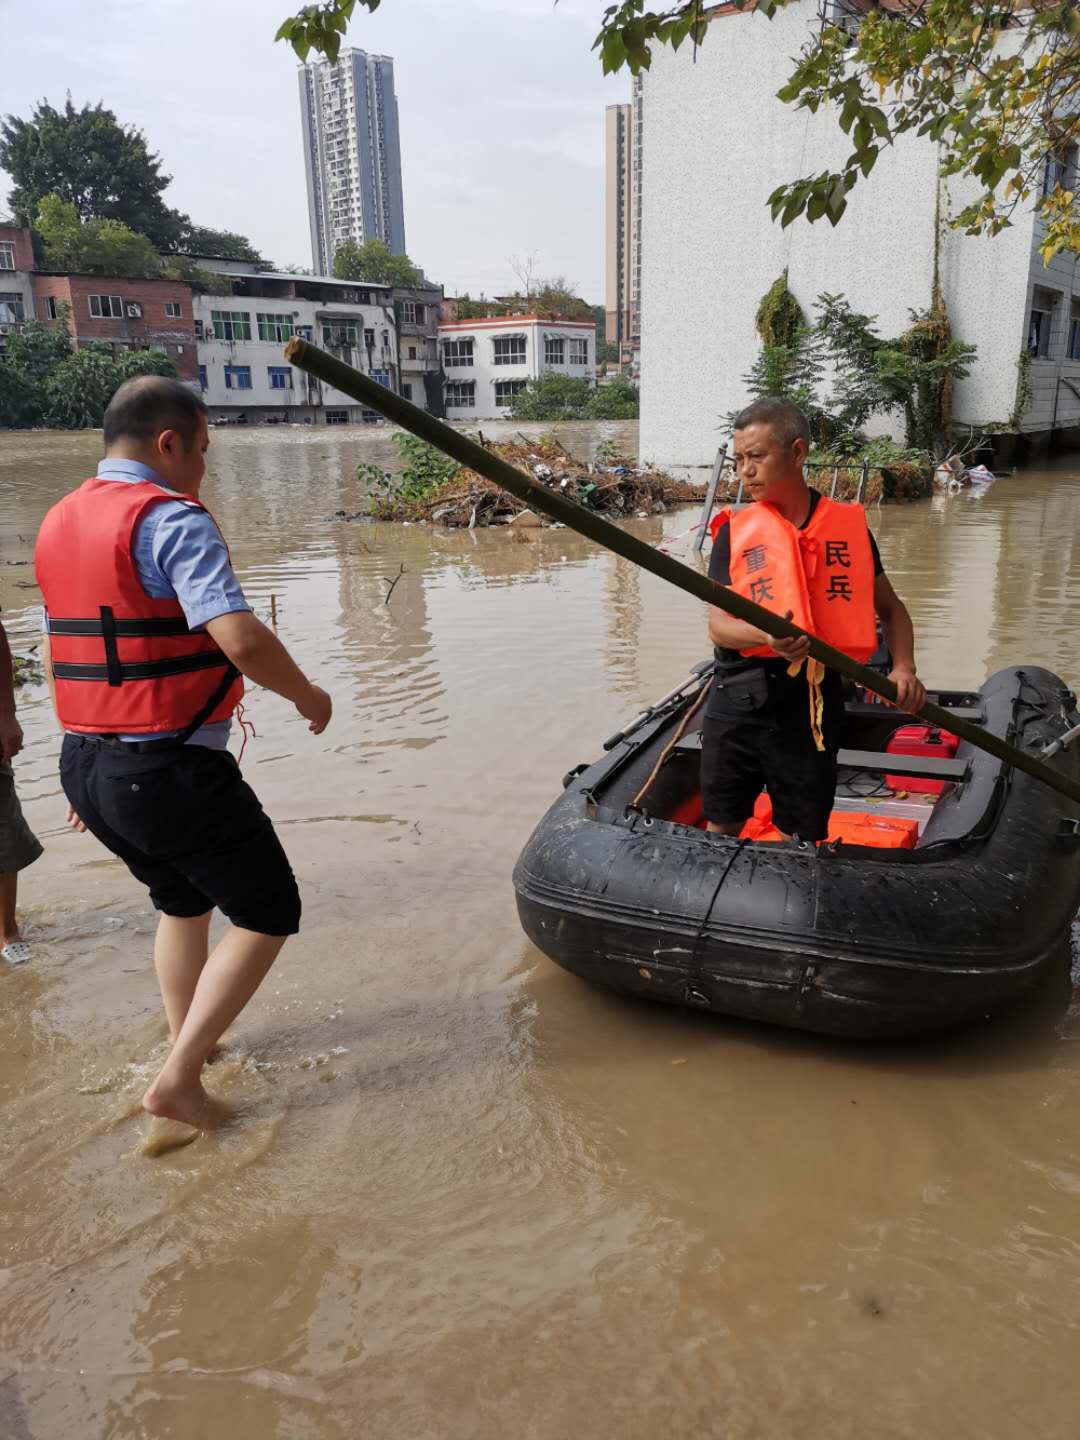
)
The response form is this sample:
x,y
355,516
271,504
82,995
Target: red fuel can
x,y
920,740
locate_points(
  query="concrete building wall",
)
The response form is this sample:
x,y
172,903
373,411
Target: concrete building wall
x,y
716,144
16,282
479,382
144,321
418,311
238,374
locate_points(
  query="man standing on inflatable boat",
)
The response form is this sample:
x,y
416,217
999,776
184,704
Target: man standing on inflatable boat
x,y
774,717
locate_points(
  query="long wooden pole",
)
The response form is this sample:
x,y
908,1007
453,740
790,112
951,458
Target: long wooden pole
x,y
586,522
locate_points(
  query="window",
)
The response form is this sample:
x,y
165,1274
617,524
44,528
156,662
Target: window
x,y
106,307
7,255
173,309
202,377
237,377
231,324
406,391
458,352
275,327
460,394
1041,322
50,307
11,308
411,313
505,390
554,350
280,377
1060,169
179,349
369,339
381,377
337,417
339,335
510,350
579,352
1074,332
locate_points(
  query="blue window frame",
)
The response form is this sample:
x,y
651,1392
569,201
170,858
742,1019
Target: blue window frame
x,y
237,377
280,377
381,377
202,377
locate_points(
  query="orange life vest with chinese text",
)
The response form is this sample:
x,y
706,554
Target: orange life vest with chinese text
x,y
823,574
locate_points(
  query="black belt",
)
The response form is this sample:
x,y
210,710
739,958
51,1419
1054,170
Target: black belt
x,y
127,747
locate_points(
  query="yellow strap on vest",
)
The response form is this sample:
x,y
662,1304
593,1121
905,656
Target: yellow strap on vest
x,y
815,673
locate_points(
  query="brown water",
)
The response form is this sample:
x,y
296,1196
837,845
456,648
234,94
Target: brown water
x,y
467,1195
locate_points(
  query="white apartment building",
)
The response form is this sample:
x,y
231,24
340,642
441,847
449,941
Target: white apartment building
x,y
717,142
352,154
488,362
240,337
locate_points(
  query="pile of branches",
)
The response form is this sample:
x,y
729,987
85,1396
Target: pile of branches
x,y
615,487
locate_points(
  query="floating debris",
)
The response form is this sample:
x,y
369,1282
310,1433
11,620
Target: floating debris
x,y
616,487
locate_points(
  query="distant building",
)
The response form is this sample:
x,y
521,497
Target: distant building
x,y
352,154
123,314
242,371
16,284
488,362
622,225
711,250
418,311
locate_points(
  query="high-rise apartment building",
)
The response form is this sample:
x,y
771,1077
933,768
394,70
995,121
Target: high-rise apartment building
x,y
622,223
352,154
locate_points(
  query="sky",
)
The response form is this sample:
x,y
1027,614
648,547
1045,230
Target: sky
x,y
501,104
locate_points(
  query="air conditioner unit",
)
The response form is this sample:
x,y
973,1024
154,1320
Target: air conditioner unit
x,y
134,309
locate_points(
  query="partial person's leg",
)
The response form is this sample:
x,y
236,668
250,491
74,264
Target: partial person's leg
x,y
181,947
237,862
9,925
229,979
731,771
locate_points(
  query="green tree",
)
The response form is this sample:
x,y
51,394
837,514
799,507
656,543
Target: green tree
x,y
105,169
617,400
374,262
553,397
101,247
83,383
605,353
994,85
33,353
201,240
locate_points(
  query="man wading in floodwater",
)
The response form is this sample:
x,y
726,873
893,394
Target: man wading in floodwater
x,y
147,636
774,717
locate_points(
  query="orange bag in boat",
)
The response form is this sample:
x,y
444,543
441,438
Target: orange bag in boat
x,y
853,827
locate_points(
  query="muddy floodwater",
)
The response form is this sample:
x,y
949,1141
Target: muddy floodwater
x,y
468,1197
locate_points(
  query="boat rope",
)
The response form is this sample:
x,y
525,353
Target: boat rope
x,y
679,733
694,969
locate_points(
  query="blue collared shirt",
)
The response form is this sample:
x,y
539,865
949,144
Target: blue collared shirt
x,y
180,555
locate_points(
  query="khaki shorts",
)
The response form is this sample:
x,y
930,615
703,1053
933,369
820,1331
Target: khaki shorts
x,y
19,846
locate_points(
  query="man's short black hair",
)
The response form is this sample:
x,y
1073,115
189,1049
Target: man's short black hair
x,y
148,404
786,421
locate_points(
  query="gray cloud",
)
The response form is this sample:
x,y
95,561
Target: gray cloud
x,y
501,118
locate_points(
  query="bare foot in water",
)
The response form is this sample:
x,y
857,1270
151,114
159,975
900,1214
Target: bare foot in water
x,y
190,1105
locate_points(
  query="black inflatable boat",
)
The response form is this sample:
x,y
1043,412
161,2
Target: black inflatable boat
x,y
838,938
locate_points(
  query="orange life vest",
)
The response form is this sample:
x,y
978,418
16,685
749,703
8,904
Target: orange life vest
x,y
823,574
123,662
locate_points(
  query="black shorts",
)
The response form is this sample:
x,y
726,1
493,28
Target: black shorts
x,y
756,735
185,823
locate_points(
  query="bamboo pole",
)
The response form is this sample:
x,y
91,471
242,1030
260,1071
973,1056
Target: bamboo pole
x,y
460,447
